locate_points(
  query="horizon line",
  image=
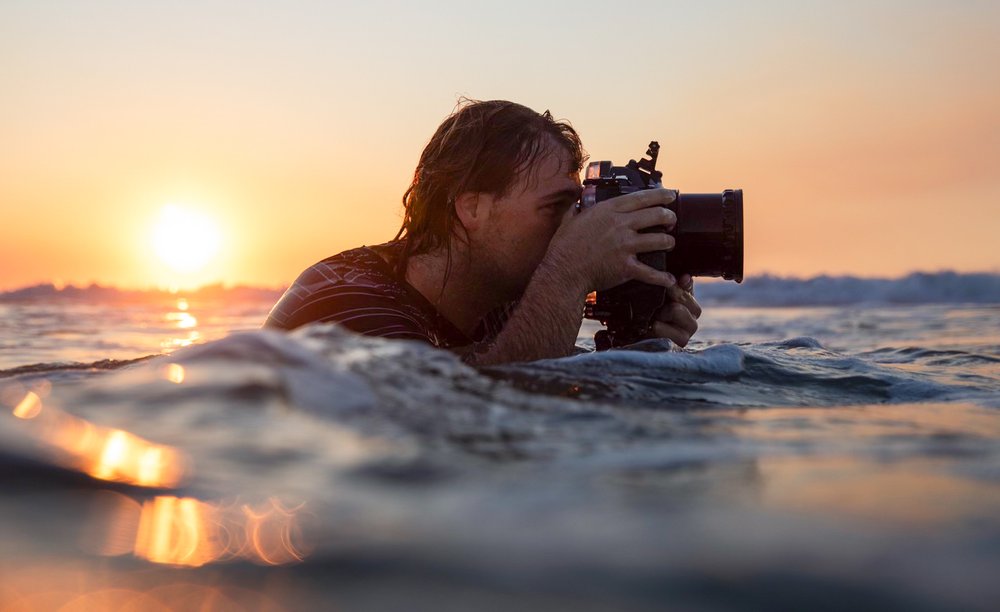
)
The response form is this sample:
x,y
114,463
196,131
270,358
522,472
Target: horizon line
x,y
59,286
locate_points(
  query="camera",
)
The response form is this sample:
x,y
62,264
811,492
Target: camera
x,y
709,242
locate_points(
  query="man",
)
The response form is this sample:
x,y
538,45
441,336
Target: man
x,y
493,259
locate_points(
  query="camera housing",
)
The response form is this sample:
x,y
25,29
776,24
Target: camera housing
x,y
709,242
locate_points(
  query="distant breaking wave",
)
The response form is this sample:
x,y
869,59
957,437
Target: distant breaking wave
x,y
916,288
765,290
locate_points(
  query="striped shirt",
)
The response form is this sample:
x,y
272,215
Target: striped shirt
x,y
360,290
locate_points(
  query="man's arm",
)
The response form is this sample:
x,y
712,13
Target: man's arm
x,y
544,324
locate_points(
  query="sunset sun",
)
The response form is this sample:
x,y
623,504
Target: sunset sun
x,y
184,239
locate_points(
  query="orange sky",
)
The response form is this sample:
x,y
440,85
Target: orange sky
x,y
867,140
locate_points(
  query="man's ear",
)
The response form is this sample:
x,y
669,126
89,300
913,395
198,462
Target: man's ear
x,y
473,209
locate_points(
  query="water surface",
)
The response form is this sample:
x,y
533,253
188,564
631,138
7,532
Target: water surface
x,y
791,458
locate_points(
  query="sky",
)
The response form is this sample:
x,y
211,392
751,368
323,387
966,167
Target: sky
x,y
865,135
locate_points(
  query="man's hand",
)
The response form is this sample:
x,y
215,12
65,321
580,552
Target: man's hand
x,y
602,243
593,250
678,320
596,249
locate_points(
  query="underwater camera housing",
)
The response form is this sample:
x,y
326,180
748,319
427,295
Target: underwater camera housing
x,y
709,242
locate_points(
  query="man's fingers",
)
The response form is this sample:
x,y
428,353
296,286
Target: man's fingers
x,y
643,199
675,322
680,296
678,316
675,334
651,217
653,241
648,274
686,282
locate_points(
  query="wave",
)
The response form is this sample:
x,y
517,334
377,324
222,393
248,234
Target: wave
x,y
409,390
650,475
69,366
792,372
916,288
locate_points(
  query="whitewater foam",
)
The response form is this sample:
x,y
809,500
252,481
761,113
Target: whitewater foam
x,y
916,288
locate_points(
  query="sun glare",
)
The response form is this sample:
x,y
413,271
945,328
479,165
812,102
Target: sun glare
x,y
185,240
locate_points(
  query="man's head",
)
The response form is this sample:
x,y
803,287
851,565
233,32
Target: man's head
x,y
489,149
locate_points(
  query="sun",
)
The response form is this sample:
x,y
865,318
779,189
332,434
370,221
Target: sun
x,y
184,239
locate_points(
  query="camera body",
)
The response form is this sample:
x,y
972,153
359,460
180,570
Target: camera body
x,y
709,242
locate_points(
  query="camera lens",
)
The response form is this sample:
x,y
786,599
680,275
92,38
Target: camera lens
x,y
709,235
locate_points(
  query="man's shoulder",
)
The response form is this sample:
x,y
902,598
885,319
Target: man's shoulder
x,y
352,284
363,265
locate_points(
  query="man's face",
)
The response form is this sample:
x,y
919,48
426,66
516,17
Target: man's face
x,y
514,238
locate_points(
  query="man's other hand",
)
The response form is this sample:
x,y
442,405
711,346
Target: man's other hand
x,y
678,319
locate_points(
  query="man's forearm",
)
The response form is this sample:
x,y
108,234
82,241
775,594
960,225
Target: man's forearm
x,y
544,324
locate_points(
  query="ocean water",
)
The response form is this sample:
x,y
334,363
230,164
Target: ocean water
x,y
837,452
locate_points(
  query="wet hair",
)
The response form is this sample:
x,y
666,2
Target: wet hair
x,y
481,147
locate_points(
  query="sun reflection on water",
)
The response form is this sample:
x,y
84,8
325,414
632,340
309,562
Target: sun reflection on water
x,y
168,530
29,407
174,372
176,343
189,532
101,452
181,319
